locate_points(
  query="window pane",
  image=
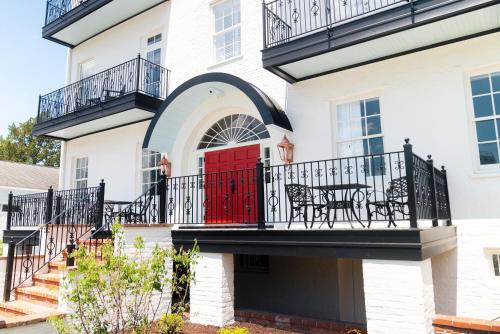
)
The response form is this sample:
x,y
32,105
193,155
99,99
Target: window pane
x,y
482,106
376,145
373,124
496,100
488,153
480,84
372,107
486,131
495,81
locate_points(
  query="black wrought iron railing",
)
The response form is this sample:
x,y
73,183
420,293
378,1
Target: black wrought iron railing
x,y
285,20
82,212
389,189
33,210
145,209
134,76
213,198
58,8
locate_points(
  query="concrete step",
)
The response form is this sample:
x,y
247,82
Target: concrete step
x,y
48,280
39,295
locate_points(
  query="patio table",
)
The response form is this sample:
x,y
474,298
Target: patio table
x,y
344,202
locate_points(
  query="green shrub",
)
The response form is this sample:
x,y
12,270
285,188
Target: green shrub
x,y
233,330
170,324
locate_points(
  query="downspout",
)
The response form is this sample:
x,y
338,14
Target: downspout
x,y
62,159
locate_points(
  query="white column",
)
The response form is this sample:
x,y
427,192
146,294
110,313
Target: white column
x,y
212,293
399,296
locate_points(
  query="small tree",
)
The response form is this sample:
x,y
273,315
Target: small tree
x,y
123,293
21,146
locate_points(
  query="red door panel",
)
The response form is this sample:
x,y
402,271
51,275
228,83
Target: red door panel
x,y
230,185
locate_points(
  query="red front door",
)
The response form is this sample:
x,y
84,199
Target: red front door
x,y
230,185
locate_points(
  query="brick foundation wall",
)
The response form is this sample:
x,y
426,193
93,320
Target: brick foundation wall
x,y
444,324
313,326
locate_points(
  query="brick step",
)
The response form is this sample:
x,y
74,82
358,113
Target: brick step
x,y
39,295
21,313
57,266
47,280
23,307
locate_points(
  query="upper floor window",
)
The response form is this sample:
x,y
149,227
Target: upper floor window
x,y
153,49
81,172
486,108
150,168
359,132
227,31
85,69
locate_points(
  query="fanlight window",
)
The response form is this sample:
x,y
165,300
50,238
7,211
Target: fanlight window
x,y
233,129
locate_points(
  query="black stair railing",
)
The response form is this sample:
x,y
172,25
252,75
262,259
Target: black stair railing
x,y
134,76
81,213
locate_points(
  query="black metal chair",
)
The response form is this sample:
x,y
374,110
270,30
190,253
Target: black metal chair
x,y
301,198
396,199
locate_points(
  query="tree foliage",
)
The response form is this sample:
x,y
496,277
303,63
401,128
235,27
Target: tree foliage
x,y
21,146
124,293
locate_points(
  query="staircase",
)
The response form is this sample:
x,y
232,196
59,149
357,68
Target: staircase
x,y
34,302
38,299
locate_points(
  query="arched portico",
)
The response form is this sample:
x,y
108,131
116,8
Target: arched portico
x,y
204,93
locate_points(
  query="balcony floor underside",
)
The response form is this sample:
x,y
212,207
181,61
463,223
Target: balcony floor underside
x,y
392,244
388,34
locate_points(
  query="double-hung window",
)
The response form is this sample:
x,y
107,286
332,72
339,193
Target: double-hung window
x,y
486,111
227,30
81,172
359,133
151,170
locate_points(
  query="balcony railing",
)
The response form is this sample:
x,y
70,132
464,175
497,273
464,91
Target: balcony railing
x,y
58,8
386,190
285,20
135,76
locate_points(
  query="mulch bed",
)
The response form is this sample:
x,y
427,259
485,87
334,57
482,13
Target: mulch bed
x,y
190,328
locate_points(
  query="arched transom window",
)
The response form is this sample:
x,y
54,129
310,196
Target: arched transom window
x,y
233,129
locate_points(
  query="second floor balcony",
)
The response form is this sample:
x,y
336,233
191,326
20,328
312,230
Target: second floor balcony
x,y
71,22
308,38
127,93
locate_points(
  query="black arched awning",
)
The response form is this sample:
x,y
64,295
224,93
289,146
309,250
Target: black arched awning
x,y
269,111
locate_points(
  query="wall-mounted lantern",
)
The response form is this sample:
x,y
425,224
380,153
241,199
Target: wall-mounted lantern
x,y
285,149
166,166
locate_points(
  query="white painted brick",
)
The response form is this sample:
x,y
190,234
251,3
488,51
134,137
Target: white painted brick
x,y
212,293
399,296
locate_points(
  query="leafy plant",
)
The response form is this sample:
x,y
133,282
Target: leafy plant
x,y
123,292
233,330
170,324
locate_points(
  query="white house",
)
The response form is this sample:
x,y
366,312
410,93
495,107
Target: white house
x,y
362,227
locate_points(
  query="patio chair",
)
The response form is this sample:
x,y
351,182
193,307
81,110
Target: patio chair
x,y
301,198
395,200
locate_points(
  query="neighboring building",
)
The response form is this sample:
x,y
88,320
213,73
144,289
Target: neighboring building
x,y
22,179
215,85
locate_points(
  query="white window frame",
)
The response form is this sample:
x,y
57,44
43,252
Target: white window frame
x,y
478,169
143,169
337,140
215,34
76,179
80,68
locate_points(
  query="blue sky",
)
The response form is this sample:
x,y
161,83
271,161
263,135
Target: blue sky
x,y
29,64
